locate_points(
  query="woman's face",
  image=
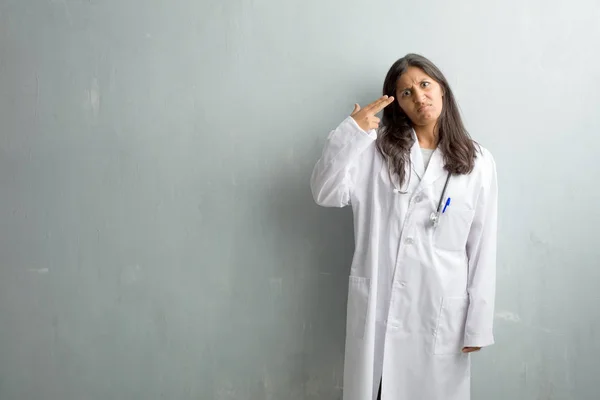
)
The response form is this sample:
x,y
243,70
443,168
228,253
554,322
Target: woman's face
x,y
420,97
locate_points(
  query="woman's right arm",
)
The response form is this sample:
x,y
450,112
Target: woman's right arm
x,y
332,181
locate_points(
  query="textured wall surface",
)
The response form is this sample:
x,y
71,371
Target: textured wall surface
x,y
158,239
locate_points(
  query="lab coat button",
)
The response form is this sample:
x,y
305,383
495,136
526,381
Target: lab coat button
x,y
409,241
394,324
419,198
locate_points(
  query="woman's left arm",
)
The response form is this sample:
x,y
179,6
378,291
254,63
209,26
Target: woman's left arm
x,y
481,253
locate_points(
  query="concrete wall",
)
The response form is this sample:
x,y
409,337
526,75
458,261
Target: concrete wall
x,y
158,239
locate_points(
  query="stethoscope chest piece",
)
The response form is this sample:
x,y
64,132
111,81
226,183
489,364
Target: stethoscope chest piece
x,y
435,215
434,218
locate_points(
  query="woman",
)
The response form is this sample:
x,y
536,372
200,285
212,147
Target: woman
x,y
424,199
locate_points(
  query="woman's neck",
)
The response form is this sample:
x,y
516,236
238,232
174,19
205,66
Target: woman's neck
x,y
427,136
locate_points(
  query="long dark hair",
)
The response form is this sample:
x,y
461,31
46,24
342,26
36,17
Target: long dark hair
x,y
395,137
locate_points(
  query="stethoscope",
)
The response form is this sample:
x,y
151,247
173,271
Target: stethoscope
x,y
435,216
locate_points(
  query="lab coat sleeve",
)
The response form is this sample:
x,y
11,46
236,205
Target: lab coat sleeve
x,y
332,179
481,252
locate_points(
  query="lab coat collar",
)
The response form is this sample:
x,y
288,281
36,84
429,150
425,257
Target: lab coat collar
x,y
434,170
416,157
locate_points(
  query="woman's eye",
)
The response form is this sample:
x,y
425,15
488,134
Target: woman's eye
x,y
406,93
425,84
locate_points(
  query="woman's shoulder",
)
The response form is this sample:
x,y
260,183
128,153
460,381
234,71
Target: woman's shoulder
x,y
483,156
485,163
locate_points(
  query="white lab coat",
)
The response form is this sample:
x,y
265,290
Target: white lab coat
x,y
417,294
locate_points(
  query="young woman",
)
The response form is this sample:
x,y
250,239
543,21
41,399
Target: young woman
x,y
424,199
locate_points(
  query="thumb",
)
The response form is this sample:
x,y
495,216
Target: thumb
x,y
356,109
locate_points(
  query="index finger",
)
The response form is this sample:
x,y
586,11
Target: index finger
x,y
381,104
374,104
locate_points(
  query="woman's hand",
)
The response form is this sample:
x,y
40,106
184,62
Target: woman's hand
x,y
470,349
365,117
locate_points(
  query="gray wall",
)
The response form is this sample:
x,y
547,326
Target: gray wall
x,y
158,239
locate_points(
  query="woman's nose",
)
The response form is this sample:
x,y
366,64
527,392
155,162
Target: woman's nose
x,y
418,96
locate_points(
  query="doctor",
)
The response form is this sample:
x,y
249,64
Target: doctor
x,y
424,199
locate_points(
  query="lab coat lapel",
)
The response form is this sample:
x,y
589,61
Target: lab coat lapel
x,y
435,169
416,158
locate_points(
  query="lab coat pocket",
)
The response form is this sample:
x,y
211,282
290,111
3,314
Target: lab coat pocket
x,y
358,303
450,331
453,228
